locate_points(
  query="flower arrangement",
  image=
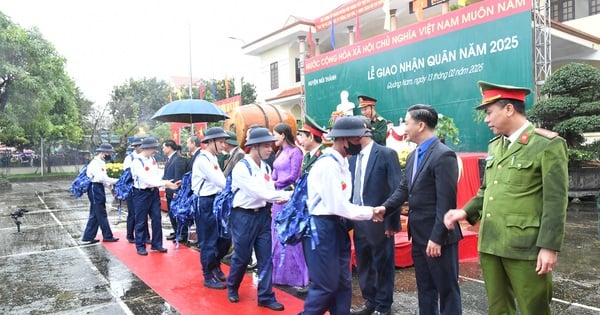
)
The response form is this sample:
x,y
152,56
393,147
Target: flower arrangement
x,y
334,116
402,155
114,170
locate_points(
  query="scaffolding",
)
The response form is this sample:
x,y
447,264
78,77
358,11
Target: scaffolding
x,y
542,44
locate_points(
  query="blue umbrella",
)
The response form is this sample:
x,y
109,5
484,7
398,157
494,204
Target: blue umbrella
x,y
190,111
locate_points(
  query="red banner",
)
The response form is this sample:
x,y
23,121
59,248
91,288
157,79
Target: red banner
x,y
229,104
176,130
347,12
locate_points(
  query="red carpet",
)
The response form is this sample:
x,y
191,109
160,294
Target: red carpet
x,y
183,287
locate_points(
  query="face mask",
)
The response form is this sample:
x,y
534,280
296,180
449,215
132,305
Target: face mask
x,y
107,158
352,149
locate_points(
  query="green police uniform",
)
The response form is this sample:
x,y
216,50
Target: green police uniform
x,y
522,208
378,124
308,160
380,128
313,128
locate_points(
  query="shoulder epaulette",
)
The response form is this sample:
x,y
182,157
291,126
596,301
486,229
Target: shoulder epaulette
x,y
379,118
546,133
495,138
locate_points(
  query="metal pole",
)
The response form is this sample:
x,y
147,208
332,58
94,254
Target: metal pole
x,y
42,155
190,57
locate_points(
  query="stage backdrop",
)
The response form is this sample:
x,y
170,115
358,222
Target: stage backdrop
x,y
436,62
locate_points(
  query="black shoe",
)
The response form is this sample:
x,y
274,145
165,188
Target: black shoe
x,y
142,252
159,249
233,296
363,310
218,273
131,240
94,241
301,290
252,266
171,237
276,306
148,242
214,284
113,239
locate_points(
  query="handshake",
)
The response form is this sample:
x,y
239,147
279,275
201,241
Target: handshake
x,y
378,213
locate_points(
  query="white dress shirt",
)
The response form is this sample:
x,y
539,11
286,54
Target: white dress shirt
x,y
147,175
366,152
207,173
96,170
330,183
128,159
256,189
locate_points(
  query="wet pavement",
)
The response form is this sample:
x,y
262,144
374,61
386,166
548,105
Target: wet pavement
x,y
46,269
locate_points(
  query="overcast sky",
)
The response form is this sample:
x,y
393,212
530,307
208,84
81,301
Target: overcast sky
x,y
107,42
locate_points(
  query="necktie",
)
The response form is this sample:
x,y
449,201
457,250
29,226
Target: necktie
x,y
357,196
505,146
167,162
415,163
305,160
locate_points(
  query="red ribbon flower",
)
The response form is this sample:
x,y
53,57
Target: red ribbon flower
x,y
216,167
147,168
267,177
344,185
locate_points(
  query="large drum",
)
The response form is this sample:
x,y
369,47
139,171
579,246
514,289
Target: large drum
x,y
267,115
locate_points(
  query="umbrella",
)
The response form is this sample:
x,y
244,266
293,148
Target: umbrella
x,y
190,111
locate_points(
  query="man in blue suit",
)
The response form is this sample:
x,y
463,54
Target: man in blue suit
x,y
375,175
429,186
175,166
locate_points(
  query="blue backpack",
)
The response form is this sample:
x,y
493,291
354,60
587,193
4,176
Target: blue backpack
x,y
293,222
182,205
124,186
81,183
224,203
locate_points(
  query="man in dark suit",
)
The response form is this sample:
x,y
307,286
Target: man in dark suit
x,y
194,145
175,166
429,186
375,175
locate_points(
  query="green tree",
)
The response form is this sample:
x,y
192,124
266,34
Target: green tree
x,y
131,108
573,108
38,100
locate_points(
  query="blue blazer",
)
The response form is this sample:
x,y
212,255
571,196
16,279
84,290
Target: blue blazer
x,y
430,195
174,170
381,178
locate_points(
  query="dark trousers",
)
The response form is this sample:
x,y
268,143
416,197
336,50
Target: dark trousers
x,y
328,268
437,278
147,203
184,228
250,230
212,247
98,217
375,261
131,220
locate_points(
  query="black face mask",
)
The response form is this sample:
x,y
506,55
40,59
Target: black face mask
x,y
353,149
107,158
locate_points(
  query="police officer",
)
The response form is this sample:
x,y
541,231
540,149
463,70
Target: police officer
x,y
251,219
521,205
146,200
329,192
378,123
311,139
96,170
207,181
136,144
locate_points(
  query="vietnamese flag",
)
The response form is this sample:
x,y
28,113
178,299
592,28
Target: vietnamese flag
x,y
201,90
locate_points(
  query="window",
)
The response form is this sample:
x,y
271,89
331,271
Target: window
x,y
274,76
594,7
562,10
297,68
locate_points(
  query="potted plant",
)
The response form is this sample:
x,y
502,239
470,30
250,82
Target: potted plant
x,y
572,109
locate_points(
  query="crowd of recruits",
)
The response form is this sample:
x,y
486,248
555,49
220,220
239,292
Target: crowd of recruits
x,y
330,190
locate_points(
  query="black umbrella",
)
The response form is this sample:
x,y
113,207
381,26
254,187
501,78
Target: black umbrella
x,y
190,111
